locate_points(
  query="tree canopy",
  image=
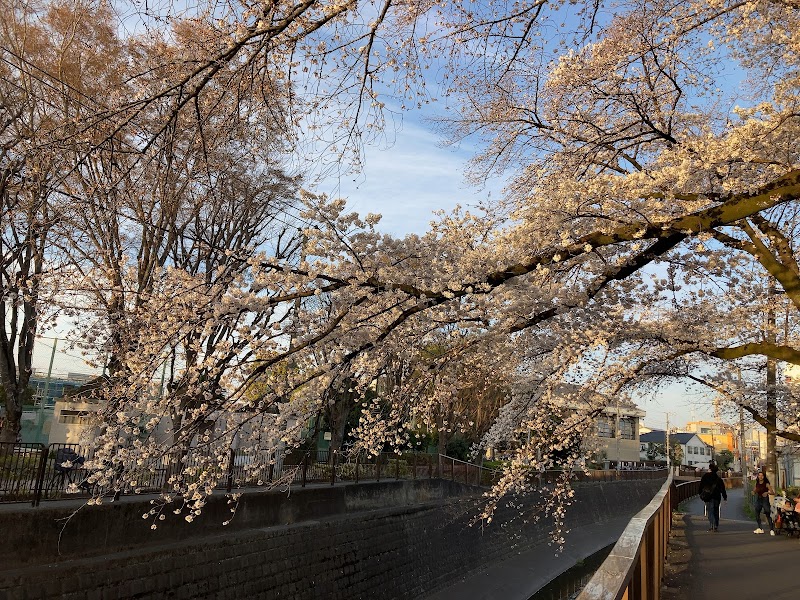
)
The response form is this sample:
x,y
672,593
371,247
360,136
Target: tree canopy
x,y
647,232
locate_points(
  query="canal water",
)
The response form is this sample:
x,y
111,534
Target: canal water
x,y
568,585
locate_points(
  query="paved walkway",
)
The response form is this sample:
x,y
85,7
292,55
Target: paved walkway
x,y
734,563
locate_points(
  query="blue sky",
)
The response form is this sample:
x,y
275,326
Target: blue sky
x,y
409,179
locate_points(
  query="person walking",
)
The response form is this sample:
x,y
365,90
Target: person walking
x,y
762,492
712,491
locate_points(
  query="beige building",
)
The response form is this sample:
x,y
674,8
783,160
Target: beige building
x,y
617,431
71,420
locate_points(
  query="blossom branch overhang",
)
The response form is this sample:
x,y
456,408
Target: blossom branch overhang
x,y
766,349
782,245
626,269
265,365
667,235
770,350
730,209
784,268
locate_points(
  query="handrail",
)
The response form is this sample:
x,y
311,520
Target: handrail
x,y
635,566
483,475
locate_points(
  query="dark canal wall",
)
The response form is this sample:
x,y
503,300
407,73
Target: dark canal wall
x,y
387,540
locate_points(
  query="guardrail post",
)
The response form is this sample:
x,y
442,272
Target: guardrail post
x,y
356,468
333,467
378,467
397,466
304,469
430,467
40,475
452,469
414,461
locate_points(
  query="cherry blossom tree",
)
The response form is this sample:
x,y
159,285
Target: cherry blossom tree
x,y
41,97
647,205
625,161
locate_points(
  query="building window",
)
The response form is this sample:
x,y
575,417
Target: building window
x,y
605,427
73,417
705,430
627,429
702,451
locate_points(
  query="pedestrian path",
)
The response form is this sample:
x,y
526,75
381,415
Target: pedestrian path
x,y
734,563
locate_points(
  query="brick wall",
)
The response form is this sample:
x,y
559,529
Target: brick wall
x,y
400,552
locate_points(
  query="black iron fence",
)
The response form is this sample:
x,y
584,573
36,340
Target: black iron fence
x,y
35,472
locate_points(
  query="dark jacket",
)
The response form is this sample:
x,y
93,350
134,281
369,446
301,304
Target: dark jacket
x,y
716,484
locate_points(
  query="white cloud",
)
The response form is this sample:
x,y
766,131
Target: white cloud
x,y
407,181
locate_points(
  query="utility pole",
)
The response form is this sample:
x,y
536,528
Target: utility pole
x,y
616,434
49,373
772,413
742,454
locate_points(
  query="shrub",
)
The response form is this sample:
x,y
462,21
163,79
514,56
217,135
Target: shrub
x,y
458,448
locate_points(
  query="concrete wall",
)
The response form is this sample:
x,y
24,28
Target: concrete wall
x,y
330,543
54,532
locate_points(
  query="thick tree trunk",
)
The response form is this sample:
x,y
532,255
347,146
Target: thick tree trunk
x,y
15,384
12,423
18,323
338,424
338,414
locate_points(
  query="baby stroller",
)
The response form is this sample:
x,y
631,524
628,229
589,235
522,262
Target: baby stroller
x,y
67,470
785,517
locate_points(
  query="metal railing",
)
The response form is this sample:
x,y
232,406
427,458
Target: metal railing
x,y
35,472
464,472
459,470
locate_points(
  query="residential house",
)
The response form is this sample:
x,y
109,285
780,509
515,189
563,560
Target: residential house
x,y
695,452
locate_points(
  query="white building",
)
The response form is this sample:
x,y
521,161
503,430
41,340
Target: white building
x,y
695,452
